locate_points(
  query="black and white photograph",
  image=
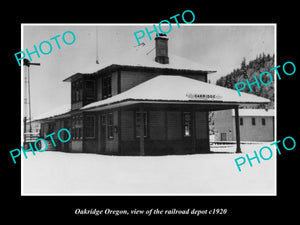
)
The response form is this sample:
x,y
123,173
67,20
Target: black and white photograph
x,y
150,110
161,117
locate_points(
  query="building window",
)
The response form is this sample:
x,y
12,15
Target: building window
x,y
106,86
253,122
110,126
90,89
90,126
138,121
77,126
187,124
241,121
223,137
51,127
263,121
77,91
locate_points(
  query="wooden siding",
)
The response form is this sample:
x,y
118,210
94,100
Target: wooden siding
x,y
157,125
127,125
112,144
129,79
114,83
201,125
99,88
174,125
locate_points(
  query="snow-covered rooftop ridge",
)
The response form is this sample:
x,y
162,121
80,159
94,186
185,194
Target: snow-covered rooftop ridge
x,y
55,112
178,88
140,56
255,112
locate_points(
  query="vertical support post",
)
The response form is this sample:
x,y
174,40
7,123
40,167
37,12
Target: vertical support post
x,y
120,150
24,136
29,102
237,129
207,130
194,130
142,144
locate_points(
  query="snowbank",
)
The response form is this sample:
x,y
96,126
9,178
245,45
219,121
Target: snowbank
x,y
58,173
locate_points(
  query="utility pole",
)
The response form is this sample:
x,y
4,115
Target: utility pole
x,y
97,56
27,112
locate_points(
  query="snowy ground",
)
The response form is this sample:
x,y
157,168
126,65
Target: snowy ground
x,y
58,173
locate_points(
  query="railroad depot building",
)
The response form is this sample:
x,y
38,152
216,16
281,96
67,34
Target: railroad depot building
x,y
143,103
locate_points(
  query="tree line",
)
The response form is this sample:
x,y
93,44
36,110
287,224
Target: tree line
x,y
255,67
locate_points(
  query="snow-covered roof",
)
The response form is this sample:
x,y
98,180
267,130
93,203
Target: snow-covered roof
x,y
174,88
255,112
53,113
139,57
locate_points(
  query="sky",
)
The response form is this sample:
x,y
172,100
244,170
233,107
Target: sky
x,y
219,47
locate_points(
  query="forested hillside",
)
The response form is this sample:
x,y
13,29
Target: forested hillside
x,y
248,71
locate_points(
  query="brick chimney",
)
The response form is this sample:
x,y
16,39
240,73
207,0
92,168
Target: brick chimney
x,y
161,47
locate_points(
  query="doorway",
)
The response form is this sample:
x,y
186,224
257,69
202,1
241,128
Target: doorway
x,y
102,133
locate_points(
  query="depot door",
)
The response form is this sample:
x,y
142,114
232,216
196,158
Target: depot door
x,y
102,133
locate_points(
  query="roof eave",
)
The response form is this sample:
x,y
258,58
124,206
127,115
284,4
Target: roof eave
x,y
113,67
151,101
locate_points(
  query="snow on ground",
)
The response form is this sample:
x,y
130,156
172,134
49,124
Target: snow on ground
x,y
59,173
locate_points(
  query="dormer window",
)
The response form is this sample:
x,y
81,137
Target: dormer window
x,y
106,86
77,91
90,90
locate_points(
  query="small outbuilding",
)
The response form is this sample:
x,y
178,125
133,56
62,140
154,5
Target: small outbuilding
x,y
255,125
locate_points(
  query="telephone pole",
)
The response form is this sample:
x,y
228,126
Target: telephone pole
x,y
27,102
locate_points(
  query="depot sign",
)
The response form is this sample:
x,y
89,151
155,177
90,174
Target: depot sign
x,y
198,96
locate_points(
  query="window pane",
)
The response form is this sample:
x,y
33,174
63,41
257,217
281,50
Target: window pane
x,y
90,126
106,86
110,131
90,88
138,124
187,124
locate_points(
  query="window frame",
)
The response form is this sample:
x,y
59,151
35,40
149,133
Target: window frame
x,y
77,127
263,121
90,92
253,122
106,86
91,126
190,124
110,126
77,91
146,124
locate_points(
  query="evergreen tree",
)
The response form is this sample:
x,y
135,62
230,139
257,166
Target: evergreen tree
x,y
244,68
261,63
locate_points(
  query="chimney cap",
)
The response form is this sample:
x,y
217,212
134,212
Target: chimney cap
x,y
161,36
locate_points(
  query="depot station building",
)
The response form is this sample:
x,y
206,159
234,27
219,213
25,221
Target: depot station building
x,y
143,103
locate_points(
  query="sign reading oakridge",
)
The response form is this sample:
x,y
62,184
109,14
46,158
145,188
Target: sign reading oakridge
x,y
197,96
